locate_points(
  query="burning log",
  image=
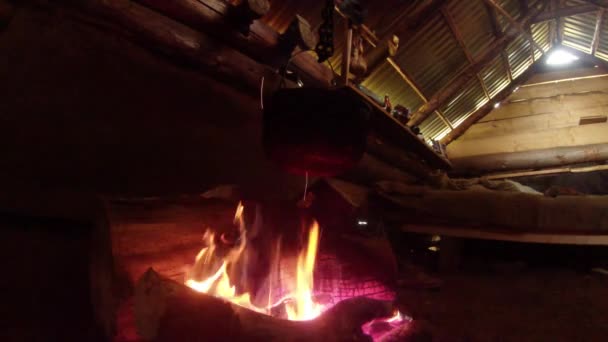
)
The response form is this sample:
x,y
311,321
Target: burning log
x,y
169,311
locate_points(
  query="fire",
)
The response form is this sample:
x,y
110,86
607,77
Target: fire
x,y
299,303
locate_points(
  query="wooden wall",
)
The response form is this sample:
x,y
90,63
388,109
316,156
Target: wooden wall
x,y
85,109
540,116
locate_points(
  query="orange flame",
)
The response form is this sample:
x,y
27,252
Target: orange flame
x,y
299,303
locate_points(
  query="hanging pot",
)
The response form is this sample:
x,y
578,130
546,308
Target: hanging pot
x,y
319,131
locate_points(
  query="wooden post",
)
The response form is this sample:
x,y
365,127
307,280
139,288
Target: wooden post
x,y
347,51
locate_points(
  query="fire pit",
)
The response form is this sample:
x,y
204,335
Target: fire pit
x,y
193,269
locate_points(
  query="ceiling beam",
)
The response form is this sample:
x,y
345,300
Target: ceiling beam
x,y
456,32
598,29
488,107
521,28
564,12
453,87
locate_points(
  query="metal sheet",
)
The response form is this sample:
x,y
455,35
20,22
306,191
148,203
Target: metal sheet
x,y
602,48
540,34
433,128
519,56
464,104
432,57
578,31
385,81
478,37
495,76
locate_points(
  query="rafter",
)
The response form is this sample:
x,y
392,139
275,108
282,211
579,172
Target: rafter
x,y
452,88
498,34
487,108
598,29
456,32
521,28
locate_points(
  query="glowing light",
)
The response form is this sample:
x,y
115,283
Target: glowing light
x,y
362,223
560,57
497,104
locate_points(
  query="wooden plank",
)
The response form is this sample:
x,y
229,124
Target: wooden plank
x,y
261,44
550,171
401,136
532,159
505,235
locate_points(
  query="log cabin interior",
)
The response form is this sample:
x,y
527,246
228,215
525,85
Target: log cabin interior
x,y
290,170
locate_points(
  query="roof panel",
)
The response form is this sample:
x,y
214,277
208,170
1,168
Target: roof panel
x,y
602,47
434,128
495,76
542,37
512,7
478,36
519,56
464,104
385,80
432,57
578,31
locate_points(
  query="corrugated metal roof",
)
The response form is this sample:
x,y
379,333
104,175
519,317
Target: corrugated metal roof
x,y
578,29
465,103
477,37
495,76
385,80
432,57
542,37
434,128
513,7
602,47
519,56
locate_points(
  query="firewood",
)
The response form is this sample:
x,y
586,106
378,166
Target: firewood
x,y
169,311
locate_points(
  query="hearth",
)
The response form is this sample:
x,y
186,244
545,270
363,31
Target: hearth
x,y
212,269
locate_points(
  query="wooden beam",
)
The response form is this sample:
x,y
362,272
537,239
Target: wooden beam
x,y
378,55
564,12
488,107
407,79
532,159
521,28
499,234
452,88
498,33
402,136
450,21
597,32
544,172
215,18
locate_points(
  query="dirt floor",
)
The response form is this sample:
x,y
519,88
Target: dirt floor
x,y
515,292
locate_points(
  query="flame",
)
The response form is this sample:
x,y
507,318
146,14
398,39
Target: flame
x,y
303,307
298,303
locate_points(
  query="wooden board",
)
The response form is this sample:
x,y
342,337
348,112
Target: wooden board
x,y
504,235
401,135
